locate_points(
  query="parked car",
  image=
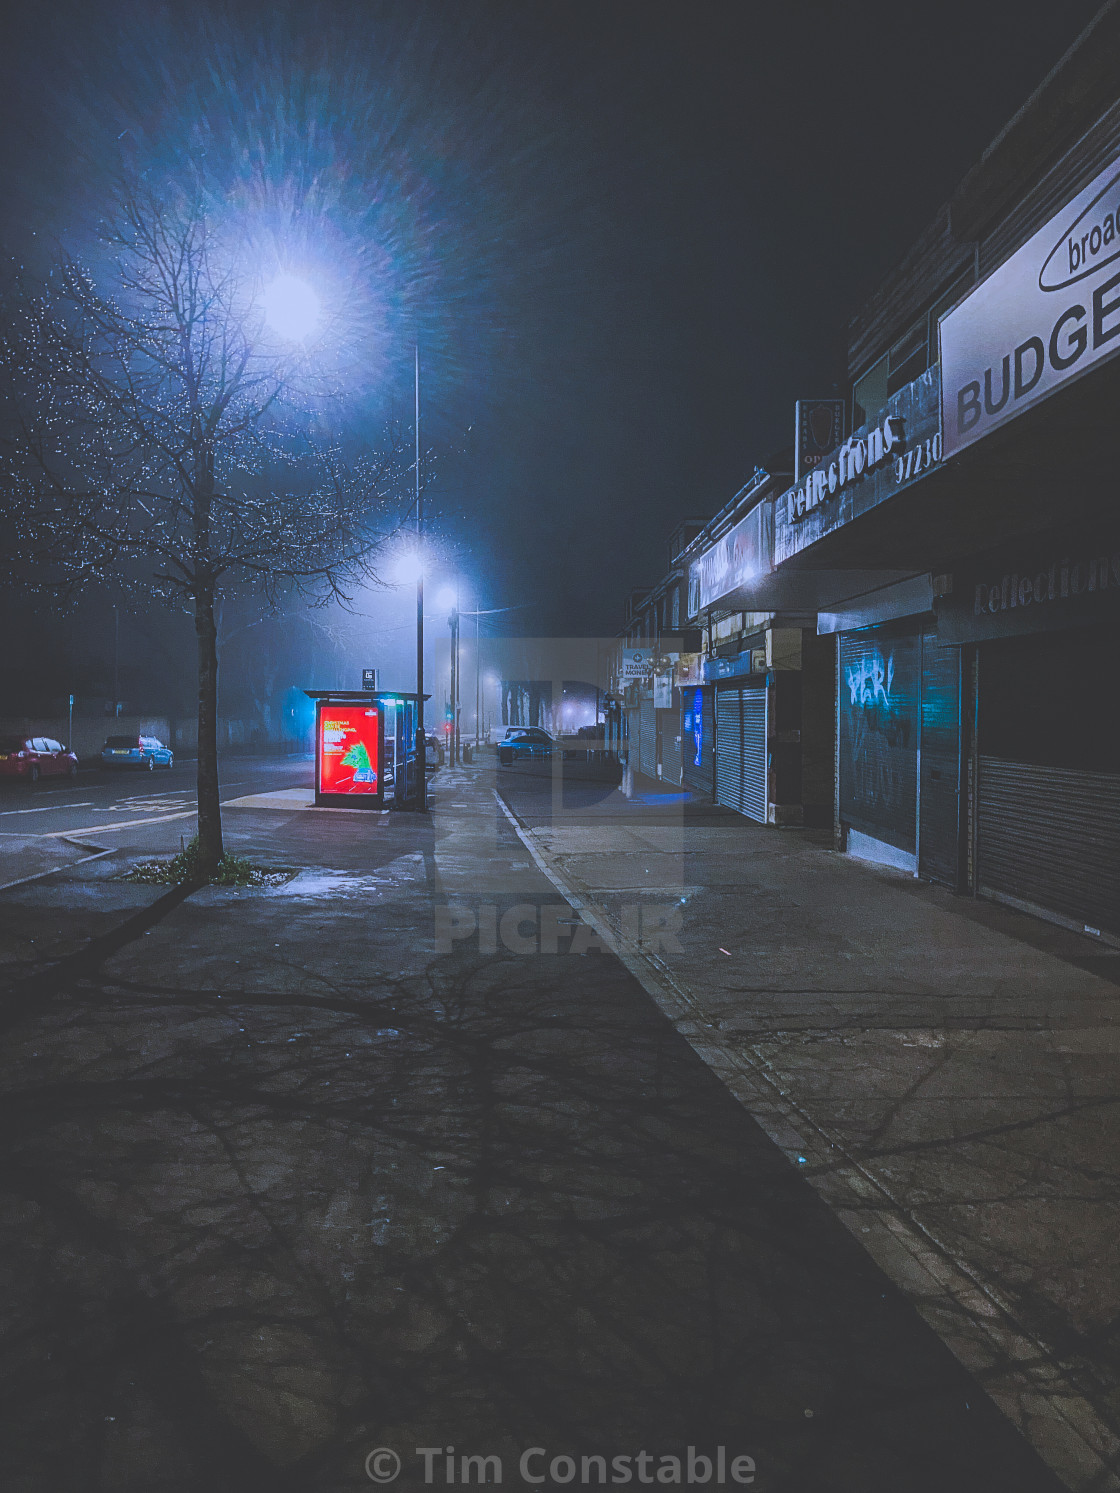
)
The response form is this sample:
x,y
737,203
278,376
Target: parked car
x,y
523,744
136,751
33,757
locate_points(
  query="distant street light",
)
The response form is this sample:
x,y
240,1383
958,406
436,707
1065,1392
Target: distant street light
x,y
409,567
291,308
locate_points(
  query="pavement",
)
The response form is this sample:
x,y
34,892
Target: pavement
x,y
414,1152
943,1072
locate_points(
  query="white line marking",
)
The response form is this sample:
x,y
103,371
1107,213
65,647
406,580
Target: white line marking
x,y
46,809
109,829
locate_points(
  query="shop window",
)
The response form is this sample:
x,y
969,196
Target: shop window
x,y
908,358
869,394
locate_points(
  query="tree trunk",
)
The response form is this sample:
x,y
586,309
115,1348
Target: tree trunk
x,y
209,812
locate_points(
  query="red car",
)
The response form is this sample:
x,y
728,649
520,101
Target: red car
x,y
35,757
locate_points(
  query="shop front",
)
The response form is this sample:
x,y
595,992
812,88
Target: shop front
x,y
899,724
698,734
1038,622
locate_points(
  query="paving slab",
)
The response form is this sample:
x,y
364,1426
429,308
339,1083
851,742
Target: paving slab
x,y
952,1070
292,1175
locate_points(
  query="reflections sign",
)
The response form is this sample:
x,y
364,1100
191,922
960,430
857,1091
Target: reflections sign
x,y
1048,314
349,750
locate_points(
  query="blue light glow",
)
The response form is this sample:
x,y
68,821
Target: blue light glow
x,y
291,308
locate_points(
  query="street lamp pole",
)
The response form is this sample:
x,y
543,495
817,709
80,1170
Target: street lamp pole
x,y
453,622
477,694
421,743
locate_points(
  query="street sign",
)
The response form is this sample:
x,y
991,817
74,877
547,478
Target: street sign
x,y
369,679
636,664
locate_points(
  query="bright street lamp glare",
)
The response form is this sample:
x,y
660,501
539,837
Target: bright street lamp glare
x,y
446,597
408,568
291,308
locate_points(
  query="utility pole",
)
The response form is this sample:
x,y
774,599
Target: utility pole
x,y
421,743
453,622
116,662
477,693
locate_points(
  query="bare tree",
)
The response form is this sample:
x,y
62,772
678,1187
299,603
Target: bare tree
x,y
159,435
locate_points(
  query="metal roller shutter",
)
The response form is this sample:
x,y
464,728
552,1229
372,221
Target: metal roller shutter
x,y
671,746
647,739
939,799
741,751
1050,836
698,775
878,698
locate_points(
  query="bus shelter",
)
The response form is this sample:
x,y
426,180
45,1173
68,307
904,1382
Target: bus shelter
x,y
365,749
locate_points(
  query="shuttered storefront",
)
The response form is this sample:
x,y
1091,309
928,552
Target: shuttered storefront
x,y
1050,837
741,750
939,753
647,739
1048,776
878,692
669,722
698,739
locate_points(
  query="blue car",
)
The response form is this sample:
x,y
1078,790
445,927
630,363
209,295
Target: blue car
x,y
146,752
525,744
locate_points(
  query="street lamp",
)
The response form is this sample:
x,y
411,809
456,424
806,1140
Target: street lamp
x,y
291,308
420,797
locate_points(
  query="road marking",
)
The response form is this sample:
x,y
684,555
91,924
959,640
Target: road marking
x,y
161,793
139,805
109,829
46,809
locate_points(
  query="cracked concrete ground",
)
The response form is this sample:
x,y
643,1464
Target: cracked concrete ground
x,y
952,1065
285,1178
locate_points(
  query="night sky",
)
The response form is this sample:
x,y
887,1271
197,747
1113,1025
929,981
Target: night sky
x,y
628,235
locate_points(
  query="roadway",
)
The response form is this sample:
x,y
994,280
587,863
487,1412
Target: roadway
x,y
105,801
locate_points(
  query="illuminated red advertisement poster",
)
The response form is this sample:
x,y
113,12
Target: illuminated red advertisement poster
x,y
349,749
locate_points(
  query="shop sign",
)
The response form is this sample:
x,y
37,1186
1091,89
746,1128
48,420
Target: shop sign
x,y
1048,314
635,665
738,558
873,464
688,670
858,454
731,668
818,428
1057,583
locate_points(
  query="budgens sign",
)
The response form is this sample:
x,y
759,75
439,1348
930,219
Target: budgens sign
x,y
1048,314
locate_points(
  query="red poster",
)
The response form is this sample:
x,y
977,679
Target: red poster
x,y
349,759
